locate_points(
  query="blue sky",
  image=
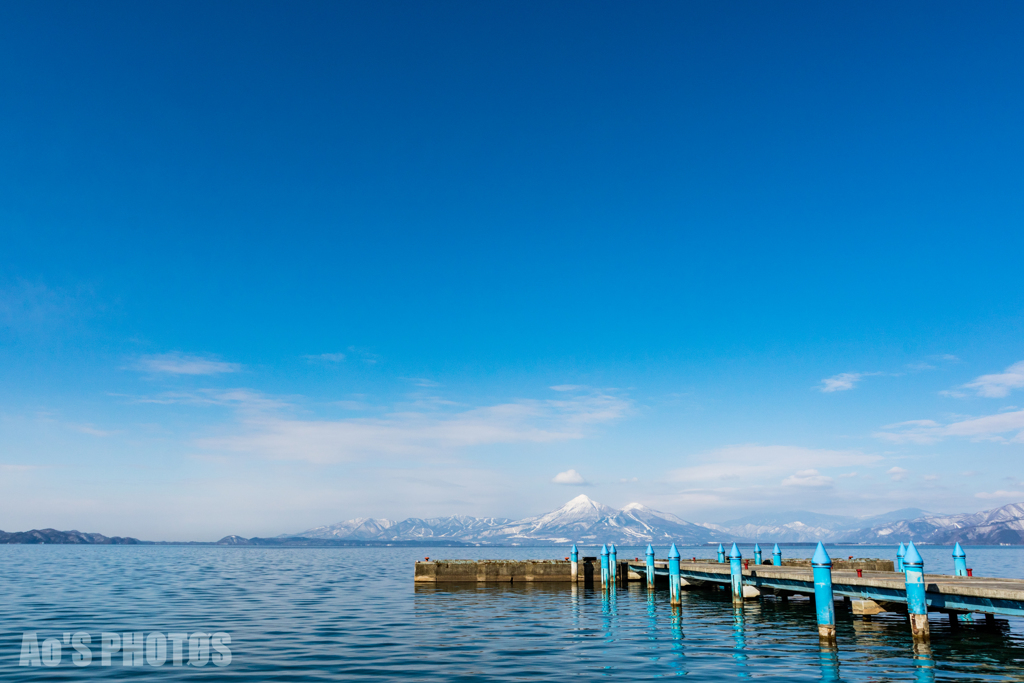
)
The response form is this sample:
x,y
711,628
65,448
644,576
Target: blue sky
x,y
266,266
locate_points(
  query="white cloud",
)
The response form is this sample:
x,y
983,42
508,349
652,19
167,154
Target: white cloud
x,y
999,385
988,428
896,473
180,364
931,477
808,478
264,431
570,478
1000,495
848,475
566,387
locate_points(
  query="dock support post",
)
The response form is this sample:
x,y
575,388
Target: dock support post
x,y
900,552
776,556
736,574
821,566
757,554
959,560
650,567
721,554
574,556
604,567
673,575
613,565
917,606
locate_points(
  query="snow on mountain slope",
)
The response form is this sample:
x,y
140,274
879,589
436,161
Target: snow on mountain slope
x,y
999,525
579,520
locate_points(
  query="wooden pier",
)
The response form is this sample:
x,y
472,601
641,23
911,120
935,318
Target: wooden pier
x,y
870,586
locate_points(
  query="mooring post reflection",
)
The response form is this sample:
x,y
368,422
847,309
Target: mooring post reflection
x,y
676,626
740,641
924,662
829,658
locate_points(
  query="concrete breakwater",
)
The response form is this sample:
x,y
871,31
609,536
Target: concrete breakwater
x,y
589,570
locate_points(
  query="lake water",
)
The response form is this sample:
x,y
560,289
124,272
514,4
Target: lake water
x,y
354,614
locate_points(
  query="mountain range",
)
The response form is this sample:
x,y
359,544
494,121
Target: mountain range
x,y
580,520
583,520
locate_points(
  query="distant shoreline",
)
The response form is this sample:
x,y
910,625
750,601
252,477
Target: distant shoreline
x,y
54,537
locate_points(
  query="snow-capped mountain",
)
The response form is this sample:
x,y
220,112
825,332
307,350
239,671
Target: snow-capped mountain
x,y
586,521
412,529
803,526
580,520
999,525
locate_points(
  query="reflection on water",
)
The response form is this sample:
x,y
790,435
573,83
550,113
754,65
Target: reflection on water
x,y
355,615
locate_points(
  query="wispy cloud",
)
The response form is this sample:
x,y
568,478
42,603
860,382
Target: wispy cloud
x,y
1002,495
326,357
18,468
988,428
417,433
1000,384
754,464
90,430
570,478
176,363
423,382
844,381
808,478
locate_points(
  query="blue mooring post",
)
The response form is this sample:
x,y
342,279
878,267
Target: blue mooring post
x,y
574,557
650,567
721,554
613,564
776,556
917,605
757,554
821,566
604,567
959,560
736,574
900,552
673,575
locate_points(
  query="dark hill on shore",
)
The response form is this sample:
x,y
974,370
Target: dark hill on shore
x,y
48,536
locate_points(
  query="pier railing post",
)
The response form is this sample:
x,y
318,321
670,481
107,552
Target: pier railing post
x,y
736,574
917,605
673,575
604,567
776,556
757,554
721,554
613,564
900,552
821,567
650,567
959,560
574,556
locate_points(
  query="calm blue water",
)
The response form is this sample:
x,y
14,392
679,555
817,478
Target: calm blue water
x,y
354,614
